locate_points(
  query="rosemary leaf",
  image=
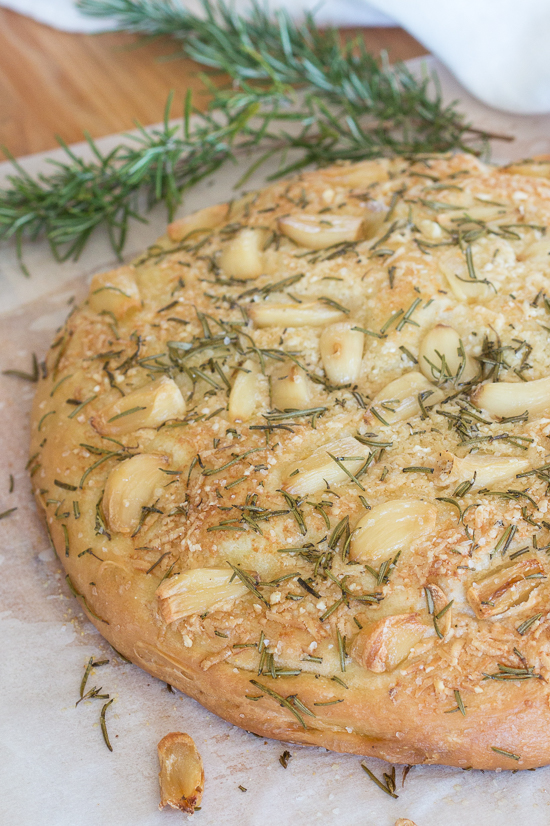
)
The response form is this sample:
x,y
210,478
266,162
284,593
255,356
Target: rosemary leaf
x,y
104,724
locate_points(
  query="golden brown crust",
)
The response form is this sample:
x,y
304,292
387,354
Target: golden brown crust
x,y
394,650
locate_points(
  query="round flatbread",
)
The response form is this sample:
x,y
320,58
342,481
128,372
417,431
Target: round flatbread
x,y
295,460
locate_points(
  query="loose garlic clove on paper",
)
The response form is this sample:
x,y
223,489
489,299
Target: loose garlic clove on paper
x,y
148,406
130,487
181,775
341,350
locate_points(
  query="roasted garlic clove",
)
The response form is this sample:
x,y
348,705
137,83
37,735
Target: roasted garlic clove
x,y
290,387
318,470
360,174
243,397
438,602
196,591
320,231
431,229
507,398
341,350
464,287
533,168
181,775
201,221
399,400
307,314
131,486
484,471
383,645
485,212
537,253
505,587
115,292
374,219
243,256
442,357
390,527
148,406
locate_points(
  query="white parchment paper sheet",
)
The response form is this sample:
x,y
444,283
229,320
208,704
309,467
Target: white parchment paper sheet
x,y
55,769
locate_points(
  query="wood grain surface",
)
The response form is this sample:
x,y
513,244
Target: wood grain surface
x,y
53,82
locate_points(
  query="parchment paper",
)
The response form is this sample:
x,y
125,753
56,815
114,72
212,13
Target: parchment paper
x,y
55,769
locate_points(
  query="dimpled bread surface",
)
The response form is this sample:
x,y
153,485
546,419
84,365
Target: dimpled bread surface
x,y
295,458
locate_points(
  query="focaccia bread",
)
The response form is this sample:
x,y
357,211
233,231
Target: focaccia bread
x,y
295,460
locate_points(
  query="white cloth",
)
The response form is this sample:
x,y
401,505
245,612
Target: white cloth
x,y
497,48
62,14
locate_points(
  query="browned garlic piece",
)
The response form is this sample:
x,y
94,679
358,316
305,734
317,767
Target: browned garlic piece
x,y
181,775
243,397
196,591
115,292
485,471
290,387
320,231
307,314
131,486
341,350
507,398
404,821
398,400
383,645
439,601
314,472
465,288
242,256
390,527
148,406
201,221
505,587
442,356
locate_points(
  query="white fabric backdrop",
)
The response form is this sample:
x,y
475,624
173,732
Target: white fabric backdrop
x,y
497,48
63,15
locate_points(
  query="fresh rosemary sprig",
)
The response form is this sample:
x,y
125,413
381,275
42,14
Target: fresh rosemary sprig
x,y
67,205
272,54
293,88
